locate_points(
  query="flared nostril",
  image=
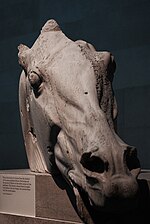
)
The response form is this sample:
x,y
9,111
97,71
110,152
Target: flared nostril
x,y
131,159
91,180
93,163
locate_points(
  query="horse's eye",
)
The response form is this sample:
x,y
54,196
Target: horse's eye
x,y
34,79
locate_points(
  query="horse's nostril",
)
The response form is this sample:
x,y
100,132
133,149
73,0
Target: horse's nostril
x,y
93,163
91,180
131,158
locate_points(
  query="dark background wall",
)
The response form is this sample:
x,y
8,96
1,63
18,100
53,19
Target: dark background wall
x,y
122,27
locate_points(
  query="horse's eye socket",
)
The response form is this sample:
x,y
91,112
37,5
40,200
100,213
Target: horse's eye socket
x,y
34,80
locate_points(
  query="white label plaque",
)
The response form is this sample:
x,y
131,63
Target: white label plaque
x,y
17,194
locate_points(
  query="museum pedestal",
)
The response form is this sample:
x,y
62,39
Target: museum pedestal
x,y
34,198
27,197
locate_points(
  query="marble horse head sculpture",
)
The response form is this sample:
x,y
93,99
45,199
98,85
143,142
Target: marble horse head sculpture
x,y
68,110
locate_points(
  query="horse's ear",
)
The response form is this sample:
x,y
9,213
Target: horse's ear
x,y
23,55
22,48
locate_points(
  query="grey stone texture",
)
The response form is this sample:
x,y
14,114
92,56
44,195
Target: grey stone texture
x,y
52,201
121,27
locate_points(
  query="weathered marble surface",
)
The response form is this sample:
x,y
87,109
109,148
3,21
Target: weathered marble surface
x,y
68,111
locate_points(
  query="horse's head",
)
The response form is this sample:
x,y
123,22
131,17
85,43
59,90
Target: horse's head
x,y
68,110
